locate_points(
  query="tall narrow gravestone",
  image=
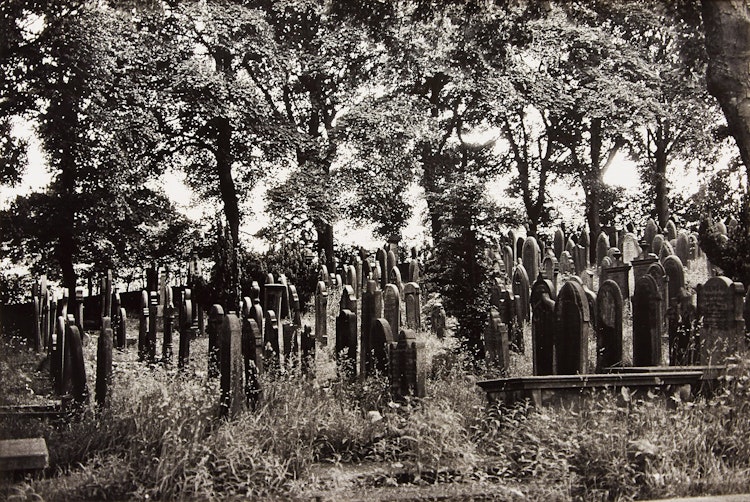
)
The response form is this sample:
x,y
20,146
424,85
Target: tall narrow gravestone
x,y
186,329
720,305
79,386
392,307
381,259
104,365
608,326
647,322
573,330
372,308
391,263
650,231
508,260
321,313
679,339
496,344
656,270
682,247
550,270
543,296
521,288
413,306
346,344
143,327
558,243
530,257
376,356
153,309
215,329
407,366
233,397
602,246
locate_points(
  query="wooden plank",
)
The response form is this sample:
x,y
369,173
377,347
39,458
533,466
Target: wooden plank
x,y
23,454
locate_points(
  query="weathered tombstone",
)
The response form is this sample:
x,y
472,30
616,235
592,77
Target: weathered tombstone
x,y
358,271
60,366
521,292
602,246
496,344
185,328
351,278
103,392
321,313
394,277
285,311
37,323
650,231
679,338
348,299
381,259
274,298
656,270
153,309
413,306
215,329
122,329
647,322
519,248
392,307
339,282
567,266
252,351
608,326
620,273
630,248
407,367
682,248
376,356
391,262
657,244
606,263
106,292
695,249
414,267
570,246
671,230
437,321
530,257
612,235
79,307
324,275
143,327
720,305
550,270
508,260
513,236
558,243
584,241
573,330
543,296
307,346
643,262
666,250
256,311
346,344
166,347
271,347
580,260
232,364
372,308
74,347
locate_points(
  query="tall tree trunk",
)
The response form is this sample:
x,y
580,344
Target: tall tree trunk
x,y
660,185
67,117
325,242
727,26
593,205
227,187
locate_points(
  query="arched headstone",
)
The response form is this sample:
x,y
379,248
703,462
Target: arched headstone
x,y
573,330
647,322
543,296
530,257
558,242
608,325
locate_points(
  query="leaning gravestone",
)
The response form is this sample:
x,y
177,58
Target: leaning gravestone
x,y
233,396
407,366
608,326
530,257
720,305
413,306
647,322
558,243
496,345
543,296
573,330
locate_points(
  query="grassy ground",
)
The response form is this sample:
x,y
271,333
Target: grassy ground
x,y
327,440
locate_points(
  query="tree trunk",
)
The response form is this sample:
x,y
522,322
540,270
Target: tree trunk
x,y
66,244
593,204
660,186
226,182
325,242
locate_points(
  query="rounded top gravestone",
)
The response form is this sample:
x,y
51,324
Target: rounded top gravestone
x,y
671,230
651,230
530,257
657,243
573,330
602,246
558,242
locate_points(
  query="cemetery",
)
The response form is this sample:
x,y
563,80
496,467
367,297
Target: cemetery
x,y
345,306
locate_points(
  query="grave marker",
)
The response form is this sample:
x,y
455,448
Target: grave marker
x,y
496,344
609,326
720,305
657,244
650,231
346,344
602,246
74,345
647,322
437,321
530,257
413,306
682,248
392,307
558,243
630,248
376,356
103,393
407,366
143,327
543,296
573,330
215,329
381,259
321,313
232,367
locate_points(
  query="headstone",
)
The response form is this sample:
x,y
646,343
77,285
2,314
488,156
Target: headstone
x,y
581,260
666,250
233,398
671,230
252,352
496,344
413,306
609,325
679,338
392,307
656,270
630,248
376,356
650,231
394,277
186,328
694,247
61,358
519,248
573,330
358,271
103,393
643,262
521,292
351,278
143,327
657,244
79,390
720,305
558,243
153,310
647,322
215,329
414,275
437,321
346,344
321,313
584,241
407,366
682,249
324,275
166,347
530,257
391,262
271,346
348,299
567,266
79,307
620,273
514,236
508,260
381,259
602,246
256,311
550,270
543,296
307,345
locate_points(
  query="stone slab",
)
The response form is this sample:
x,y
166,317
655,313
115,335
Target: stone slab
x,y
23,454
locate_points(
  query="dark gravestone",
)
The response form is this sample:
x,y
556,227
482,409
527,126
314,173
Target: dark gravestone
x,y
608,326
414,270
550,270
79,387
122,333
720,305
359,271
271,341
496,344
372,308
570,246
602,246
558,243
650,231
643,262
437,321
348,299
307,348
746,311
647,322
682,248
186,329
153,309
521,293
671,230
573,330
256,311
505,302
381,258
376,355
324,275
103,392
519,248
394,277
656,270
233,398
508,260
252,352
530,257
413,306
143,327
274,295
513,236
619,272
543,296
392,307
215,329
666,250
346,344
581,260
679,337
60,366
166,346
407,366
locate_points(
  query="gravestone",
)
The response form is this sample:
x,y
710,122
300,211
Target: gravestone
x,y
372,308
274,301
570,246
695,249
671,230
321,313
608,326
103,392
647,322
122,333
324,275
508,260
602,246
256,311
392,307
79,307
573,330
143,327
153,312
720,305
271,346
581,260
650,231
308,349
381,259
413,306
414,267
348,299
657,244
186,328
519,248
346,344
620,273
74,346
407,366
656,270
166,346
437,321
679,338
682,248
394,277
643,262
584,241
606,263
558,243
215,329
252,352
358,270
666,250
496,344
721,228
285,310
630,248
391,263
550,270
530,257
60,367
376,356
543,296
514,236
521,292
232,361
566,264
746,311
351,278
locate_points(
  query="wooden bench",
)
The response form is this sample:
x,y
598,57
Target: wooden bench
x,y
28,454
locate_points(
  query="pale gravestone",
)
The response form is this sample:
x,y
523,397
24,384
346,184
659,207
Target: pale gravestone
x,y
558,243
407,366
566,264
666,250
630,248
372,308
550,270
570,246
321,313
602,246
394,277
186,329
650,231
391,263
671,230
143,327
543,296
413,306
513,236
609,325
414,266
695,249
103,394
508,260
682,248
233,398
721,228
720,305
256,311
530,257
657,244
573,330
581,260
647,322
392,307
496,345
